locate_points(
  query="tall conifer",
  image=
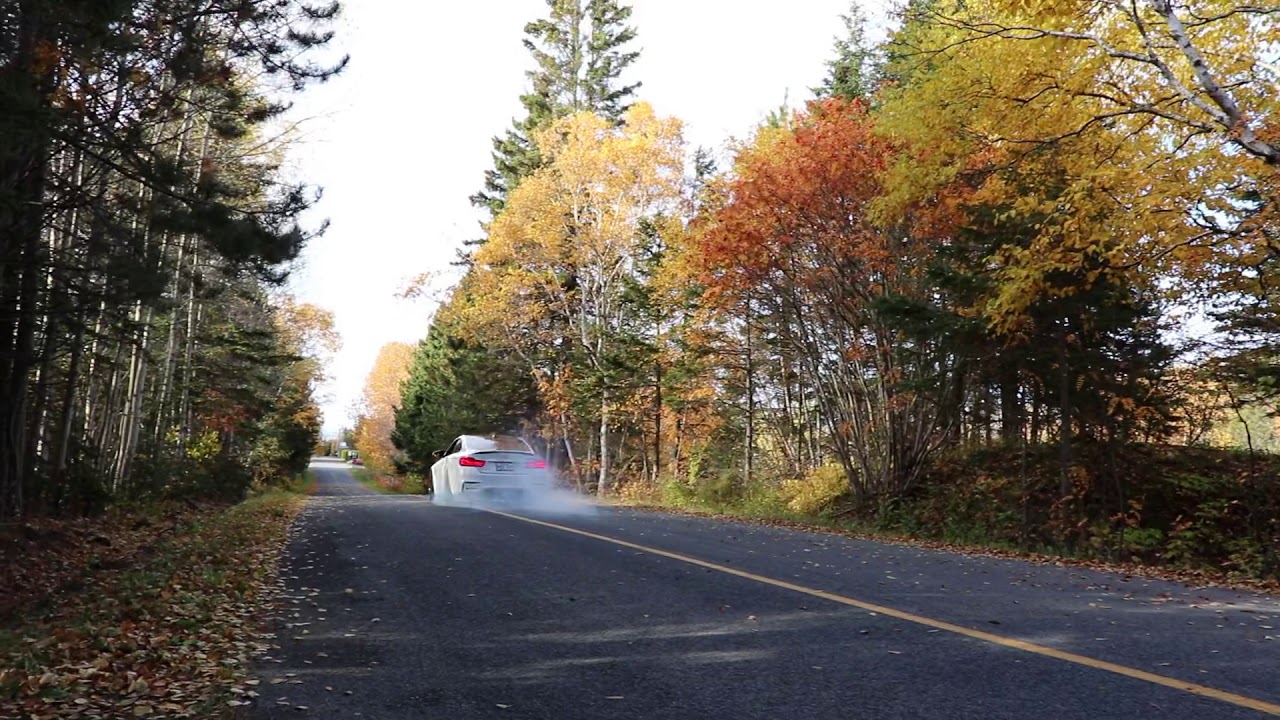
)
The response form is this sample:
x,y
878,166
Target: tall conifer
x,y
580,53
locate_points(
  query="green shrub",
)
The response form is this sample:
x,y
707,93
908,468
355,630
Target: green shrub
x,y
675,492
1143,542
762,497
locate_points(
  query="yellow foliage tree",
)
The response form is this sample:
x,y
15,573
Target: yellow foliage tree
x,y
307,329
377,418
1138,123
557,261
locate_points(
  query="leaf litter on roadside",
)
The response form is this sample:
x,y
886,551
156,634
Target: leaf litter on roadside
x,y
171,634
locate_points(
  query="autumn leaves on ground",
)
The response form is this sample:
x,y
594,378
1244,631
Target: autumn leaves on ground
x,y
162,617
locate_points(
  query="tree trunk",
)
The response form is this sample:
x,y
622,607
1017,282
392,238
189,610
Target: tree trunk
x,y
749,443
23,168
985,389
131,419
1036,432
1064,408
62,447
602,485
678,447
194,312
163,417
1011,410
38,414
657,418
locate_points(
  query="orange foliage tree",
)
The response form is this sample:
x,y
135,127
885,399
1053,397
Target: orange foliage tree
x,y
796,252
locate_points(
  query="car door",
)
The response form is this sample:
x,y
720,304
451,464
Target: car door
x,y
450,465
440,471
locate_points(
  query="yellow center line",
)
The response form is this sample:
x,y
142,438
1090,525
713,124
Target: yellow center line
x,y
1182,685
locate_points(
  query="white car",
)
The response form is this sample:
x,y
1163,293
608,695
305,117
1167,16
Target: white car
x,y
498,465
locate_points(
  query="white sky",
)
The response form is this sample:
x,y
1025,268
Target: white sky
x,y
402,138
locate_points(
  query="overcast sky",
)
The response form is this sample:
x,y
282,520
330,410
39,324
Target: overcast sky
x,y
402,138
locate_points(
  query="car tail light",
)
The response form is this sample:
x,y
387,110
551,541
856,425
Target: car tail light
x,y
538,464
467,461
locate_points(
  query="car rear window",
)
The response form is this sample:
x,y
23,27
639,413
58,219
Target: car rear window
x,y
502,443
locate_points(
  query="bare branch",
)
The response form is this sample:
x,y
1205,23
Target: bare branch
x,y
1229,115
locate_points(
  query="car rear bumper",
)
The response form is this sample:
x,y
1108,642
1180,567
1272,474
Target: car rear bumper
x,y
478,486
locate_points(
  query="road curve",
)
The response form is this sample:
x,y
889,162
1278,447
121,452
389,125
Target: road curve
x,y
401,609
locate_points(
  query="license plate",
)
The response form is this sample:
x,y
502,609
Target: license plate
x,y
502,466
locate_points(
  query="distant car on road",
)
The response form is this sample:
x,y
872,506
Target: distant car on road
x,y
500,465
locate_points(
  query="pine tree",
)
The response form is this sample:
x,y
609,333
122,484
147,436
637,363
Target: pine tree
x,y
456,387
852,73
606,60
579,51
128,192
580,56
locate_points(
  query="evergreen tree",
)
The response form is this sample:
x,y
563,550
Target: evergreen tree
x,y
606,60
852,74
580,53
129,191
579,50
455,387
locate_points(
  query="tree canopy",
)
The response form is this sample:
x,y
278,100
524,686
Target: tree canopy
x,y
580,51
143,226
1040,229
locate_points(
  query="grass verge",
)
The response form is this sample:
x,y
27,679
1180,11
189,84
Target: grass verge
x,y
389,484
306,485
170,631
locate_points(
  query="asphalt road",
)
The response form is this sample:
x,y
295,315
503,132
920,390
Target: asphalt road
x,y
398,608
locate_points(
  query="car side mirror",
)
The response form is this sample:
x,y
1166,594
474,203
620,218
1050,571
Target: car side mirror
x,y
437,454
